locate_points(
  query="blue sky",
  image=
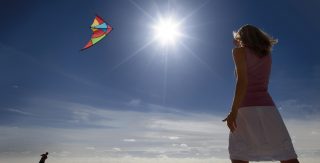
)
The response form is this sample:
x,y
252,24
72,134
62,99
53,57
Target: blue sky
x,y
135,88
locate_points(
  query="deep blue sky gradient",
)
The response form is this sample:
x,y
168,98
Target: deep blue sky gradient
x,y
40,55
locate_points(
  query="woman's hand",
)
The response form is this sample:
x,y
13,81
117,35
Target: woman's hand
x,y
231,120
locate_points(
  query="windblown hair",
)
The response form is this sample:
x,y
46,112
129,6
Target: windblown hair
x,y
255,39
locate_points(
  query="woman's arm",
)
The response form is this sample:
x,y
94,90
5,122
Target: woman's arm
x,y
239,58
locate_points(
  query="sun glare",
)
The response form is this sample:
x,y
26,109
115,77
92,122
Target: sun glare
x,y
167,31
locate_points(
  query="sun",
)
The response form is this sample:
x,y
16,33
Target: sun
x,y
167,31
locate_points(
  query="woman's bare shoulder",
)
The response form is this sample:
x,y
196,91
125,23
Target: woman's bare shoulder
x,y
238,50
238,53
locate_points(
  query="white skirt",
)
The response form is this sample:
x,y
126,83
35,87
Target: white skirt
x,y
261,135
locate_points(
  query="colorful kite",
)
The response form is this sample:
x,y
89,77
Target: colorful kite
x,y
100,29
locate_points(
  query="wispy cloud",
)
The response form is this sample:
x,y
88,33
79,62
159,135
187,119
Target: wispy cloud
x,y
18,111
135,102
293,108
116,149
173,137
140,136
129,140
130,133
90,148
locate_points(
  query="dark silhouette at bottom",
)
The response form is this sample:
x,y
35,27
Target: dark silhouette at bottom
x,y
43,157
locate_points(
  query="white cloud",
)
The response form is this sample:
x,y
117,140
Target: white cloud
x,y
186,125
135,102
293,108
90,148
19,111
132,159
129,140
191,137
126,159
116,149
118,128
15,86
173,137
184,145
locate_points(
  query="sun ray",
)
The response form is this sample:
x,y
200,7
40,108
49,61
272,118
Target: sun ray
x,y
204,24
199,59
132,55
182,35
165,77
142,10
193,12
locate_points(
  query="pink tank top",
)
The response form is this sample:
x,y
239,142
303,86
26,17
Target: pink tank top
x,y
258,73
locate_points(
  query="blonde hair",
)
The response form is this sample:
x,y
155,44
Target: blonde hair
x,y
255,39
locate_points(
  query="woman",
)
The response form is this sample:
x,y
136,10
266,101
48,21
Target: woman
x,y
258,132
